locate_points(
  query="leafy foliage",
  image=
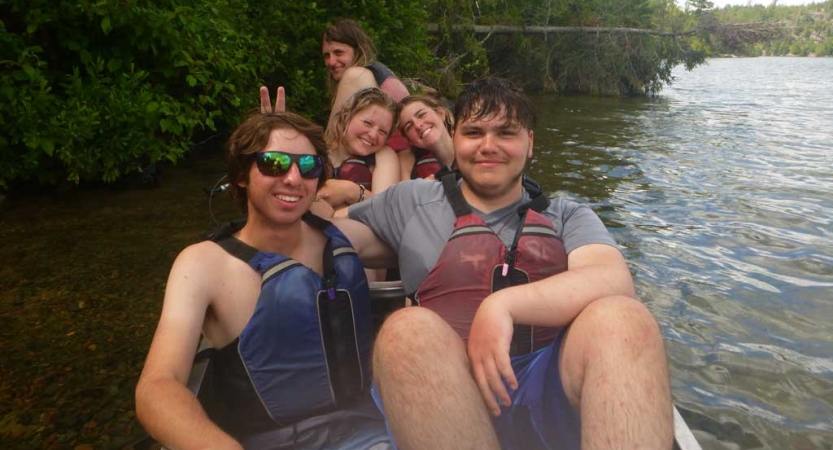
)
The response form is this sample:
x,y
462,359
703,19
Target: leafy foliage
x,y
95,90
580,62
808,29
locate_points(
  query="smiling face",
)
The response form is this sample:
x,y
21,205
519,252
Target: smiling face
x,y
368,130
338,57
281,200
422,125
491,153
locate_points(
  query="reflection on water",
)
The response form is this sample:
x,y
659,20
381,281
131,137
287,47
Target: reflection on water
x,y
719,192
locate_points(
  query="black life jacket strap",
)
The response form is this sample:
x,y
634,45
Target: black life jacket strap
x,y
455,195
328,258
223,235
538,201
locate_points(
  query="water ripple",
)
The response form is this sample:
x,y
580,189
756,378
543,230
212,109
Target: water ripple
x,y
719,193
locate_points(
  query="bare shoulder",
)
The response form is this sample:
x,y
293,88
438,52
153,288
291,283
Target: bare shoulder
x,y
357,73
201,270
386,154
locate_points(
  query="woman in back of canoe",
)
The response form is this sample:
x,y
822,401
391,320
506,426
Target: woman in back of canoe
x,y
350,57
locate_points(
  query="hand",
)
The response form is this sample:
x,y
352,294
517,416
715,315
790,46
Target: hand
x,y
339,193
322,209
266,102
489,341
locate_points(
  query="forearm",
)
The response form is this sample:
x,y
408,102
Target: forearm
x,y
374,253
557,300
174,417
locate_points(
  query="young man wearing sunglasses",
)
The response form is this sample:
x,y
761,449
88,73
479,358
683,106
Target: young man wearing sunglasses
x,y
528,309
283,300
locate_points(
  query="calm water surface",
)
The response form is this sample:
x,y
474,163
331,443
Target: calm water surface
x,y
721,193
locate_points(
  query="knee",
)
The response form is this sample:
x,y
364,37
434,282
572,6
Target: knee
x,y
620,322
413,337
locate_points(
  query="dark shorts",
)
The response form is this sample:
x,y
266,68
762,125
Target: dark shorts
x,y
541,416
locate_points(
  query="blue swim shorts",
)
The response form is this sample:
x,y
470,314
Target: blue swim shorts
x,y
541,416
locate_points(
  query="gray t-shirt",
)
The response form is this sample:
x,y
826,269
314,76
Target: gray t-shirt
x,y
415,219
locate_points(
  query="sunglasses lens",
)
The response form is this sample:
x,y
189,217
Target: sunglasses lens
x,y
310,166
274,163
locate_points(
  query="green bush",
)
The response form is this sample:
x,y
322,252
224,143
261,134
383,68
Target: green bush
x,y
95,90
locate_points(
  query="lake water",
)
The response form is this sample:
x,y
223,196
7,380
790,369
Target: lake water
x,y
721,193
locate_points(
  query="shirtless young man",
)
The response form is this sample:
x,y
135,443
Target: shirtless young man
x,y
528,309
284,301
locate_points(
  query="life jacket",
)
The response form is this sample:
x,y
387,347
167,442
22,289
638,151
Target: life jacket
x,y
305,351
475,262
357,170
380,72
426,164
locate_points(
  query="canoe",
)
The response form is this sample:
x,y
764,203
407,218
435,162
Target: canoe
x,y
387,296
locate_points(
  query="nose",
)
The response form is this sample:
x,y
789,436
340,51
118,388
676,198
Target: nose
x,y
488,142
293,176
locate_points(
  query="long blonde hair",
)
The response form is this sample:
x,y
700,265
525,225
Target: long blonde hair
x,y
336,133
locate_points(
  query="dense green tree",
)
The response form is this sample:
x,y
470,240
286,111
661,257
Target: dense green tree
x,y
94,90
803,29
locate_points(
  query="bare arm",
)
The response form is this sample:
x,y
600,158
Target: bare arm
x,y
373,252
406,163
395,89
595,271
164,405
386,171
354,78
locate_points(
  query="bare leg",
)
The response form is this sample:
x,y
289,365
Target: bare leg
x,y
422,372
615,372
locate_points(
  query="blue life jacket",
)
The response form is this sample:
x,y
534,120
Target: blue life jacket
x,y
306,349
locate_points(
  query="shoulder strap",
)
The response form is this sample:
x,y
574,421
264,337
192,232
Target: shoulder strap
x,y
223,235
538,201
328,258
454,195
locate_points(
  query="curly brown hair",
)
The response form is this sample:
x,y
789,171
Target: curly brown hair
x,y
252,135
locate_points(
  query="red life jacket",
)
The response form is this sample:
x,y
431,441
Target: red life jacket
x,y
475,262
426,164
357,170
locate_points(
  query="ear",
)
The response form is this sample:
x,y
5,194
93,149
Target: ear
x,y
531,140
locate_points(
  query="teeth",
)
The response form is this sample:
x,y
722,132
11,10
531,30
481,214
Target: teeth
x,y
366,143
425,133
288,198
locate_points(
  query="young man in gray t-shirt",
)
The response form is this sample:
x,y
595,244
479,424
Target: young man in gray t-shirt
x,y
602,380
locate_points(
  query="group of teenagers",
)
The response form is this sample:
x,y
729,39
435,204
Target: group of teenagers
x,y
524,330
